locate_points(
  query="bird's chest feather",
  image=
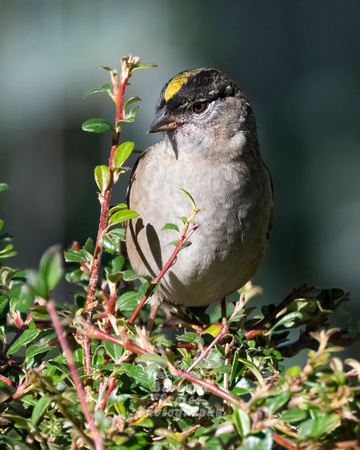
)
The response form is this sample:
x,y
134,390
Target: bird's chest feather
x,y
224,194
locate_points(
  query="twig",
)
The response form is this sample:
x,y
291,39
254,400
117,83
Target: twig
x,y
98,442
296,293
105,205
183,237
284,442
202,355
95,333
111,387
8,381
184,433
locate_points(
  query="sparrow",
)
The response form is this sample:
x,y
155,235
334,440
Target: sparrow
x,y
211,149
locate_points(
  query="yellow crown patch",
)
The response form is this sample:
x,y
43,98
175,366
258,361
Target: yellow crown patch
x,y
176,83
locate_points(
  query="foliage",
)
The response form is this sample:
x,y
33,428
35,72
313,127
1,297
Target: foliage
x,y
197,381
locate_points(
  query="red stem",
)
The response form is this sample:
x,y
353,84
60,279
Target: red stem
x,y
99,445
170,262
103,222
8,381
110,310
284,442
112,385
95,333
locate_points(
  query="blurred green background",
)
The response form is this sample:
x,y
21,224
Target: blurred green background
x,y
297,61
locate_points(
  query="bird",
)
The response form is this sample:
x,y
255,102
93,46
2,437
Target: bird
x,y
210,149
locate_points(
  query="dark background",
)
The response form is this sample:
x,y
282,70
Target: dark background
x,y
297,61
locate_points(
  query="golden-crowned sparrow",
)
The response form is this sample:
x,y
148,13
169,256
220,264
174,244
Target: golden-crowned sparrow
x,y
211,150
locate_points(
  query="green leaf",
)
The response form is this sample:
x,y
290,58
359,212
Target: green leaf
x,y
37,283
113,269
130,117
122,153
24,300
36,349
13,443
117,234
277,401
242,422
89,246
130,275
109,245
183,219
109,69
6,250
152,358
242,387
293,371
106,88
51,266
26,337
170,226
213,329
4,187
324,423
122,216
259,441
117,207
76,256
188,337
116,264
293,415
20,422
251,366
4,305
1,224
102,178
320,424
288,321
111,240
97,126
144,379
40,409
190,197
305,428
131,100
127,301
115,351
143,66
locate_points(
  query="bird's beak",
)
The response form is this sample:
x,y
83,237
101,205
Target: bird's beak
x,y
163,121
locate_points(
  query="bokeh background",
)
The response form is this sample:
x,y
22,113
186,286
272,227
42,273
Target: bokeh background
x,y
298,61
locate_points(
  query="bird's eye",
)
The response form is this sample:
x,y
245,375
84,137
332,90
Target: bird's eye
x,y
200,107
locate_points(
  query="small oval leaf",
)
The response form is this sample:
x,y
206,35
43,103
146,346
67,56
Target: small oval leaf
x,y
131,100
104,88
121,216
170,226
287,321
39,409
97,125
102,177
251,366
242,422
189,196
4,187
26,337
122,153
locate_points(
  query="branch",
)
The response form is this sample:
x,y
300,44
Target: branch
x,y
98,442
183,237
90,331
105,198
